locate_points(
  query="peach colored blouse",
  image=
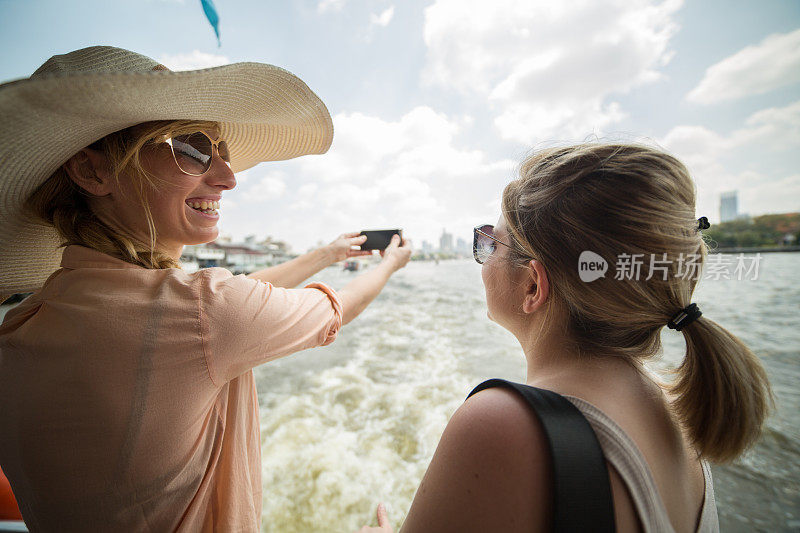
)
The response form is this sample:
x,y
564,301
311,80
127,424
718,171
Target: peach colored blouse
x,y
127,397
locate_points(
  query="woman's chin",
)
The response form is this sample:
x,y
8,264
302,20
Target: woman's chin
x,y
203,237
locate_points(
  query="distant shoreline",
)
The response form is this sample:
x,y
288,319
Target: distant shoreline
x,y
754,249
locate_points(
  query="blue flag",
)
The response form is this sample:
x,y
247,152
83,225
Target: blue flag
x,y
213,18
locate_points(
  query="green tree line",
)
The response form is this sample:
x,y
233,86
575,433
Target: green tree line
x,y
764,230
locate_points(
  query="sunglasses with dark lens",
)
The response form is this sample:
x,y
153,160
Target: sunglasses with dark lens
x,y
484,243
193,152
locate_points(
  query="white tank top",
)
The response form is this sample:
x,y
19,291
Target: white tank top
x,y
620,450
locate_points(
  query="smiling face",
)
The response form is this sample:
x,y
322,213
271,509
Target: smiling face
x,y
176,222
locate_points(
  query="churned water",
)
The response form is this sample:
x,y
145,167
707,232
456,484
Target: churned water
x,y
357,422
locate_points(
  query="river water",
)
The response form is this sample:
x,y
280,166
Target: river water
x,y
354,423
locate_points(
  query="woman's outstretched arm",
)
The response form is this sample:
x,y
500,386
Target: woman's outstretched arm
x,y
292,273
357,294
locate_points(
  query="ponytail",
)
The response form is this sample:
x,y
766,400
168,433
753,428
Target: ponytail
x,y
722,392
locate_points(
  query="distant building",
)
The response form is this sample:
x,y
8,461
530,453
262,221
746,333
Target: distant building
x,y
241,257
203,255
729,206
271,244
427,247
446,242
244,258
463,246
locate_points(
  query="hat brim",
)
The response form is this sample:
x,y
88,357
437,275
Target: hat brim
x,y
265,114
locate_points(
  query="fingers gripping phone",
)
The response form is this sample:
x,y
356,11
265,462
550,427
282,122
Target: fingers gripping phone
x,y
379,239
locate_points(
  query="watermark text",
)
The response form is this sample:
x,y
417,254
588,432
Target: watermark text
x,y
592,266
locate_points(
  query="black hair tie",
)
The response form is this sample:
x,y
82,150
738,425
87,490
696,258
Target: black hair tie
x,y
702,223
685,316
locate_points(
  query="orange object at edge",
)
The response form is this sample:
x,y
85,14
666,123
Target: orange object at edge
x,y
9,510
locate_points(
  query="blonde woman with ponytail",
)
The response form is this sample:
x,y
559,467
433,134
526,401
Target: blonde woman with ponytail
x,y
585,342
127,395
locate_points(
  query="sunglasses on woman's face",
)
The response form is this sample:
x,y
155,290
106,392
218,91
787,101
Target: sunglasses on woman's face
x,y
484,243
193,152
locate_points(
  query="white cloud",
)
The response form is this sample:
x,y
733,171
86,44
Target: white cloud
x,y
408,173
269,187
384,18
228,203
246,175
781,195
574,119
769,130
757,69
759,160
305,197
308,189
778,127
548,69
192,61
698,146
330,5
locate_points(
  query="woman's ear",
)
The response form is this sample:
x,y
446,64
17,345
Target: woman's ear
x,y
537,287
89,169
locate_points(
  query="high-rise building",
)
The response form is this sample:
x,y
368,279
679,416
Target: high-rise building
x,y
446,242
728,206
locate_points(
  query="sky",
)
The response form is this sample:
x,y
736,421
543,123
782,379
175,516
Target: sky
x,y
435,103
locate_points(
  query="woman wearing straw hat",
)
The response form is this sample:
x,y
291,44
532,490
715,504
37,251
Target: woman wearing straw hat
x,y
127,399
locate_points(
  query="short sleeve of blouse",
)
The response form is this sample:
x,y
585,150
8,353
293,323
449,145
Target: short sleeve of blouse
x,y
246,322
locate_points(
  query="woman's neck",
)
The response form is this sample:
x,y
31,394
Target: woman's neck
x,y
554,359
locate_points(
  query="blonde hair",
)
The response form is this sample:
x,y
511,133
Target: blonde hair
x,y
60,202
627,199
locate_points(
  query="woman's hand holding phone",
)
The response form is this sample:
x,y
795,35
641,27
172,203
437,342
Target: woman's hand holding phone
x,y
341,248
398,253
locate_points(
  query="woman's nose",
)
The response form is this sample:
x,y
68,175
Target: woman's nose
x,y
220,174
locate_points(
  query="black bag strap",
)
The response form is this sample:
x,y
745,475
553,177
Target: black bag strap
x,y
582,493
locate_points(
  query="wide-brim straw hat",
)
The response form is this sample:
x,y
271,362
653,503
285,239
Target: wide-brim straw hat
x,y
265,114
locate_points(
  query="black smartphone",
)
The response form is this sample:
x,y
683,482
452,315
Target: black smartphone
x,y
379,239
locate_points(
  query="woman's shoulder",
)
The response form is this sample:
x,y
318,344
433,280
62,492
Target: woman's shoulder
x,y
218,278
498,411
491,471
212,284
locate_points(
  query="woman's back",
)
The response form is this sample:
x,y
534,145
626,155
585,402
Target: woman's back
x,y
639,408
127,395
110,415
